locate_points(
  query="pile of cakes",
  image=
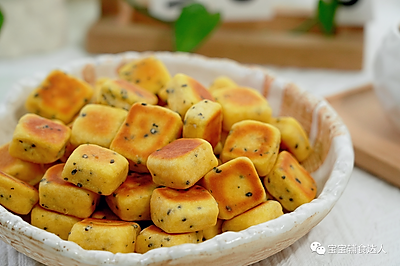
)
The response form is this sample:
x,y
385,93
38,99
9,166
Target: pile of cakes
x,y
150,160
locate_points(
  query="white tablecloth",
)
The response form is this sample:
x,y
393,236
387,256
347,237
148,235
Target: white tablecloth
x,y
364,226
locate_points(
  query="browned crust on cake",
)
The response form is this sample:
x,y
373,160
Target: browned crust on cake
x,y
177,148
199,89
53,174
97,115
241,96
60,91
136,182
265,134
48,130
193,194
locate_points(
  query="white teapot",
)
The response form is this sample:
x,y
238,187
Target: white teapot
x,y
386,71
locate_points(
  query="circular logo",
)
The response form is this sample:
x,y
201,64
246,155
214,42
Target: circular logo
x,y
314,246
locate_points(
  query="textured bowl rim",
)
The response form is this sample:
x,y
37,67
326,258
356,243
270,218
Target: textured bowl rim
x,y
341,152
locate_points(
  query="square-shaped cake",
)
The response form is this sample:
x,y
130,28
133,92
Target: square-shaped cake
x,y
28,172
109,235
16,195
146,129
96,168
122,94
131,200
53,222
149,73
183,210
255,140
59,96
289,183
182,91
39,140
97,124
241,103
236,187
58,195
170,166
204,120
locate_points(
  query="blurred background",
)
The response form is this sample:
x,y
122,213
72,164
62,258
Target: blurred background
x,y
44,33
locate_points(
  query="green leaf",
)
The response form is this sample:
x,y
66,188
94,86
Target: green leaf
x,y
1,19
194,24
326,15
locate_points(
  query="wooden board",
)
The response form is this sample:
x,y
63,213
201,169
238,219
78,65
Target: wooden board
x,y
264,42
376,141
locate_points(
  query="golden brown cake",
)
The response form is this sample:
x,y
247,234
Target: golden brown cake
x,y
183,91
28,172
108,235
293,137
236,187
16,195
58,195
221,82
96,168
263,212
182,211
170,166
289,183
153,237
204,120
131,201
97,124
146,129
149,73
122,94
60,96
255,140
53,222
241,103
39,140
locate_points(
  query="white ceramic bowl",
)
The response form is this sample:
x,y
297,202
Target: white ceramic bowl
x,y
331,164
387,74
